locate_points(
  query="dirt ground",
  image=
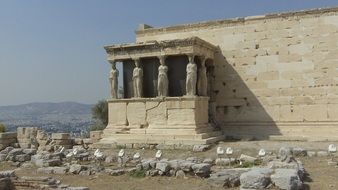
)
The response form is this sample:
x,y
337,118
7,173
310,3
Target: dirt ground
x,y
320,175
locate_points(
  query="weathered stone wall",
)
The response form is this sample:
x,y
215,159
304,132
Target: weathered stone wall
x,y
171,122
7,139
27,137
153,113
275,74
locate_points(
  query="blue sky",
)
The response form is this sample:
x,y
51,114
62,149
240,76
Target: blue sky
x,y
52,51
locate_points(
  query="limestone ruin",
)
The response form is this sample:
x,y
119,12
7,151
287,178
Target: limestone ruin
x,y
225,166
167,110
264,77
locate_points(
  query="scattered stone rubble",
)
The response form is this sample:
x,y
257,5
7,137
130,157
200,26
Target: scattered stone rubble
x,y
18,155
60,154
9,181
31,137
62,139
178,168
46,159
43,140
283,172
27,137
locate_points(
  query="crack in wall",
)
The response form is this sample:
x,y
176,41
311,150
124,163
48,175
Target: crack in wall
x,y
154,107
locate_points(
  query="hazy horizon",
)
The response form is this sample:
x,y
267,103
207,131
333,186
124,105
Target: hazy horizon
x,y
52,51
83,103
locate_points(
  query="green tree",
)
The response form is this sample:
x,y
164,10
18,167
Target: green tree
x,y
97,127
100,115
2,128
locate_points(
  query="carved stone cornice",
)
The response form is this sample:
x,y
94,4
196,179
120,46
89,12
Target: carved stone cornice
x,y
193,45
293,15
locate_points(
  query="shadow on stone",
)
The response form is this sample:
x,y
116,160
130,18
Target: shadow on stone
x,y
239,111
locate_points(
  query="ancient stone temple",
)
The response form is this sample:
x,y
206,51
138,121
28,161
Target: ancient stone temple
x,y
264,77
167,93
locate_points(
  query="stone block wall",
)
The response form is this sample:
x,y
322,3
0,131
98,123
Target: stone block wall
x,y
7,139
171,122
274,74
62,139
27,137
156,112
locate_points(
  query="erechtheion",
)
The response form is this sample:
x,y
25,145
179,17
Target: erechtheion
x,y
265,77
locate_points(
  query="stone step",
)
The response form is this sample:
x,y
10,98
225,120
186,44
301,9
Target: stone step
x,y
108,142
287,138
102,145
109,132
212,134
327,138
173,131
167,136
212,140
192,126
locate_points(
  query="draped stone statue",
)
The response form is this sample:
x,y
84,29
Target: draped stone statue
x,y
191,77
202,81
113,79
162,84
138,80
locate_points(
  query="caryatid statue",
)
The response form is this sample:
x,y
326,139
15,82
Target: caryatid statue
x,y
162,83
138,79
113,79
191,77
202,81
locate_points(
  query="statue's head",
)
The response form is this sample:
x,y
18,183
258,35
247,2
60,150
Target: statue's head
x,y
113,65
137,62
191,58
162,60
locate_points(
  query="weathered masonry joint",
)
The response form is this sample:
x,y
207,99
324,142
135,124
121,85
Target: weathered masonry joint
x,y
265,77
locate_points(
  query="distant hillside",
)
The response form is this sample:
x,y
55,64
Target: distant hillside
x,y
33,109
53,117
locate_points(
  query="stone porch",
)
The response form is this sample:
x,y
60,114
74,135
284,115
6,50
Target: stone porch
x,y
178,118
168,121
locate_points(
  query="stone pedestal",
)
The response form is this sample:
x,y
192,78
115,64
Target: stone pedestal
x,y
62,139
7,139
27,137
168,121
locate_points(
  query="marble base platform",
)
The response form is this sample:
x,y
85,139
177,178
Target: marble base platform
x,y
174,121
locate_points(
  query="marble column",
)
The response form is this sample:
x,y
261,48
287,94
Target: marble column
x,y
137,79
191,79
162,84
113,79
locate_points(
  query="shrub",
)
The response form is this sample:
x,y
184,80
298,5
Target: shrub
x,y
97,127
100,115
138,174
100,112
249,164
2,128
